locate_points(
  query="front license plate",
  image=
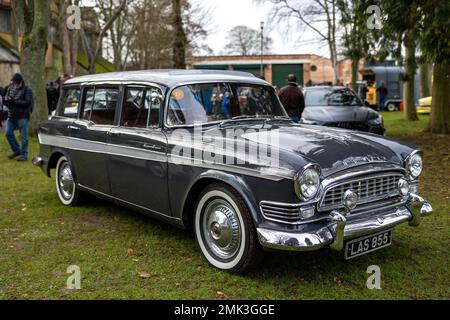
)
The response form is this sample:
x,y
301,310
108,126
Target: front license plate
x,y
360,246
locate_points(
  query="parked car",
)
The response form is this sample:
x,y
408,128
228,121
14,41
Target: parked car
x,y
340,107
133,141
424,105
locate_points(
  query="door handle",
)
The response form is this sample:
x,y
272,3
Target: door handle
x,y
152,146
113,134
74,128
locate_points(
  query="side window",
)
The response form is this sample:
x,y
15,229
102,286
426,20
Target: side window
x,y
134,114
104,105
70,102
141,107
153,101
88,101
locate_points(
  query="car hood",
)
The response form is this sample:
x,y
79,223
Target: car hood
x,y
339,114
333,149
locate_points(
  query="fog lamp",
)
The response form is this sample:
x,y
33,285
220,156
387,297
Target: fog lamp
x,y
306,213
403,187
350,199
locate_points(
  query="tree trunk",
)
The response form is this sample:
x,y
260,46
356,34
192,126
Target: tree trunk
x,y
408,79
32,62
355,65
440,108
425,79
179,42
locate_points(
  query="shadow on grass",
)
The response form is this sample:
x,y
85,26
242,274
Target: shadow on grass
x,y
321,265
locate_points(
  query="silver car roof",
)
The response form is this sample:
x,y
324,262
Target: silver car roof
x,y
169,78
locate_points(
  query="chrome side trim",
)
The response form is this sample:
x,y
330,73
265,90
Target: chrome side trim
x,y
152,155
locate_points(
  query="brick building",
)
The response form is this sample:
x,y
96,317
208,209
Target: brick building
x,y
306,67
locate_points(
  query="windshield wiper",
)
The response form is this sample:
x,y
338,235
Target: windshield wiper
x,y
265,118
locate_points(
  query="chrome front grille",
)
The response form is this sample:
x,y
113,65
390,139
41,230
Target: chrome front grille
x,y
280,211
369,189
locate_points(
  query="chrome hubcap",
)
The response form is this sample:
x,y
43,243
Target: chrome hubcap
x,y
65,178
221,229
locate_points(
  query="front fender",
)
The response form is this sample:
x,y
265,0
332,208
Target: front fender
x,y
234,181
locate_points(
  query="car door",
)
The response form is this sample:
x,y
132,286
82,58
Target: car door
x,y
89,137
137,159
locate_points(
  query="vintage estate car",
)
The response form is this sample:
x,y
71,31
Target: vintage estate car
x,y
151,141
340,107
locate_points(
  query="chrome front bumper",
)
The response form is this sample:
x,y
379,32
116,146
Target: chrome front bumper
x,y
338,228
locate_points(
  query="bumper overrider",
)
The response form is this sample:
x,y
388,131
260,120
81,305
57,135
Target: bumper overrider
x,y
338,227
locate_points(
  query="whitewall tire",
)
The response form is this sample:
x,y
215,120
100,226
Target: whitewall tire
x,y
224,229
68,194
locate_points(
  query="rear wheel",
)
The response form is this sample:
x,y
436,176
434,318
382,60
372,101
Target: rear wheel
x,y
224,229
391,107
68,194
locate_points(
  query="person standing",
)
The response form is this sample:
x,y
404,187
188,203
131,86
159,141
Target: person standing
x,y
52,97
382,94
19,99
292,98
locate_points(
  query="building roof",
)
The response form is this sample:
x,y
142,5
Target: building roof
x,y
170,78
7,53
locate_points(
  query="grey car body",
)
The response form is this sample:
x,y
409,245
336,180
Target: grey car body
x,y
134,167
321,110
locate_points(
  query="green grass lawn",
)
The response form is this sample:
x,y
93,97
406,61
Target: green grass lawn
x,y
40,238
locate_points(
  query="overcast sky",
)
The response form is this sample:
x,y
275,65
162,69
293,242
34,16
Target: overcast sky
x,y
226,14
230,13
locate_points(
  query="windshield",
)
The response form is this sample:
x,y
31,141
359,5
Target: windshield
x,y
204,103
332,97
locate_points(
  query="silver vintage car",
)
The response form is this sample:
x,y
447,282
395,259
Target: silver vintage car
x,y
216,152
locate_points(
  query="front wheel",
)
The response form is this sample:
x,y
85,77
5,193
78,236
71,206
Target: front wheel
x,y
224,229
68,194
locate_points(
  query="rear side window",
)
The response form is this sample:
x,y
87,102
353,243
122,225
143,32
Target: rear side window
x,y
70,102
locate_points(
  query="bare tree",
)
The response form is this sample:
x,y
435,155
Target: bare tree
x,y
68,38
32,18
246,41
93,49
320,16
121,33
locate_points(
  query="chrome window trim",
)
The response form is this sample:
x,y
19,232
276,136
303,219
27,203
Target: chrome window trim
x,y
200,82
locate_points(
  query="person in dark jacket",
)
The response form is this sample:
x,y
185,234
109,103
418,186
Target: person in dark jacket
x,y
52,97
19,99
292,98
382,94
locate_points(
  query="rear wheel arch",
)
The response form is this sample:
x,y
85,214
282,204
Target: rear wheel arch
x,y
53,160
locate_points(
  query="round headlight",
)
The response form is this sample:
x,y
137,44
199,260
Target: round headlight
x,y
307,183
403,187
414,165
